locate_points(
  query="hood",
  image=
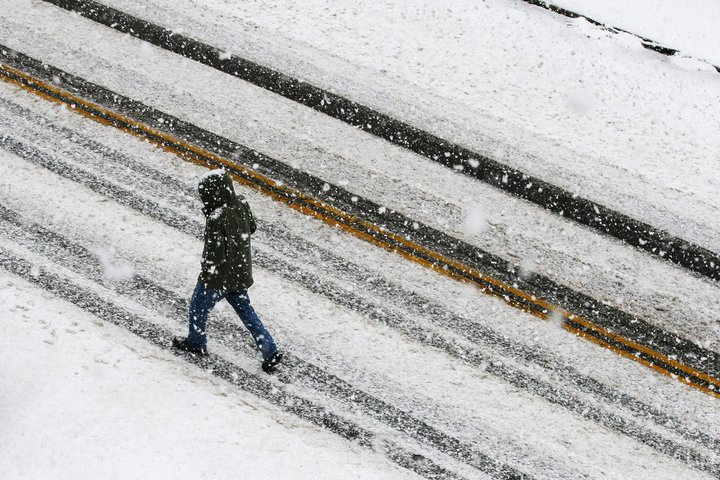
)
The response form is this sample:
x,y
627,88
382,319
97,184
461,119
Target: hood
x,y
216,189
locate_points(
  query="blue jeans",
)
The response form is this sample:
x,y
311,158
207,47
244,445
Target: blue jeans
x,y
203,301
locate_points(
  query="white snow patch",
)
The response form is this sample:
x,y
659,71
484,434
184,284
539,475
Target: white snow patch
x,y
112,270
581,101
556,319
476,220
527,268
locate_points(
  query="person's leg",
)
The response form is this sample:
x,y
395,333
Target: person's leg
x,y
240,301
202,302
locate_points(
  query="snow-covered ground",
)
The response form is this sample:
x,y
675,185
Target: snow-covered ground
x,y
592,114
84,399
689,26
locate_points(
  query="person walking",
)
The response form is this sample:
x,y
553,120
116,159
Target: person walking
x,y
226,268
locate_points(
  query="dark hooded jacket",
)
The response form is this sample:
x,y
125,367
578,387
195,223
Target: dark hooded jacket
x,y
226,260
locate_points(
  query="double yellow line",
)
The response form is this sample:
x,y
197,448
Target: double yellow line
x,y
368,231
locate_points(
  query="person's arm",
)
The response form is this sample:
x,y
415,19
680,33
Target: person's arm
x,y
214,253
253,227
250,217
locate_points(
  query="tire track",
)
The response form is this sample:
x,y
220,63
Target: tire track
x,y
602,219
77,258
296,370
347,299
293,246
259,386
614,329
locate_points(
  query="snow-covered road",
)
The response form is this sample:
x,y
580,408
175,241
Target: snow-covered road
x,y
444,380
572,104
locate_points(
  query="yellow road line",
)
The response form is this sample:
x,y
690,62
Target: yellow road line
x,y
324,212
643,361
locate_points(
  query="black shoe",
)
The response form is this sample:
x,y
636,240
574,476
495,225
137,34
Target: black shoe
x,y
182,344
269,364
